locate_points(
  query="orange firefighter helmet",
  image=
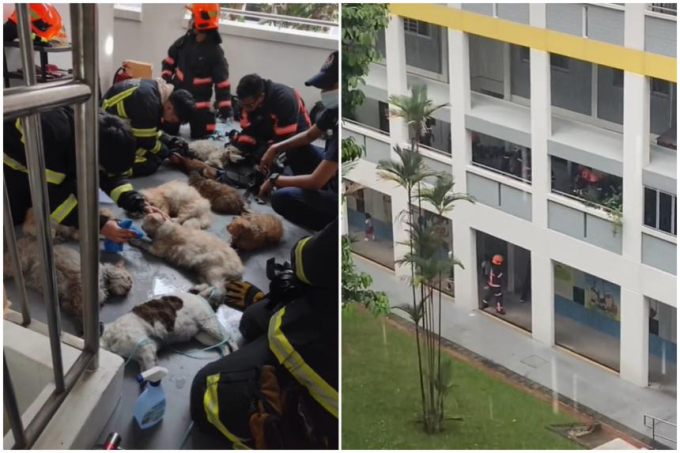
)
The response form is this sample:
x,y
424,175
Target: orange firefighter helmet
x,y
206,15
45,20
497,260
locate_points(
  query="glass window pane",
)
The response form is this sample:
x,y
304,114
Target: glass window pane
x,y
501,156
650,207
665,207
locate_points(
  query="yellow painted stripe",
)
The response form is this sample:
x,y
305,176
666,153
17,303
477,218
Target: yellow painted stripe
x,y
211,405
299,269
64,209
120,190
631,60
320,390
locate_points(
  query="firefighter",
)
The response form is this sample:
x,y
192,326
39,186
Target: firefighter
x,y
271,113
45,20
280,390
148,104
310,197
195,63
495,283
116,156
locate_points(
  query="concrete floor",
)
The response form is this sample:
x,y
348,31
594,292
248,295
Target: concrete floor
x,y
584,382
153,276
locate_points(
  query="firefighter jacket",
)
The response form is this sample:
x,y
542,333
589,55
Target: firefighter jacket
x,y
496,278
281,115
139,101
303,335
197,66
60,163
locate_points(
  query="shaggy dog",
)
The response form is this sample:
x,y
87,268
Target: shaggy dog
x,y
215,262
178,199
113,279
254,230
163,321
208,151
223,199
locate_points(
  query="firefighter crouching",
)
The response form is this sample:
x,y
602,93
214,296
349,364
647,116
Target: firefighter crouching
x,y
495,283
148,104
280,390
196,63
116,156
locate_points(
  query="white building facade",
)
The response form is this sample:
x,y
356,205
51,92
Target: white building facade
x,y
561,122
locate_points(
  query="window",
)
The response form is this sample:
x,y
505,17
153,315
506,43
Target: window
x,y
661,87
559,62
525,54
501,156
259,15
417,27
593,187
661,211
617,78
384,113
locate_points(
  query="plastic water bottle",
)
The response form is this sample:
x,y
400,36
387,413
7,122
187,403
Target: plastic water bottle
x,y
150,406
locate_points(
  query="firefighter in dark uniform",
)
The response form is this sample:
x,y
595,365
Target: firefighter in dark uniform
x,y
310,197
195,63
271,113
495,284
116,156
148,104
280,391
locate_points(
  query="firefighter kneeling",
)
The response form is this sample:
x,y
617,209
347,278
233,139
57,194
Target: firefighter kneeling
x,y
279,391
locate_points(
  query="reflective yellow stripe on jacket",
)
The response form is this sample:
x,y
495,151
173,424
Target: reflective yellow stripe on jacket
x,y
212,412
120,190
299,268
145,133
320,390
53,177
116,100
64,209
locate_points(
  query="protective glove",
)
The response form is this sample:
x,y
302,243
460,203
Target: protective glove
x,y
241,295
178,145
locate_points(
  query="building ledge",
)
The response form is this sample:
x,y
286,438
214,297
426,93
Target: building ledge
x,y
661,172
501,119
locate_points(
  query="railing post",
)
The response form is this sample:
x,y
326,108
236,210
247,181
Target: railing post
x,y
11,241
12,408
35,158
85,58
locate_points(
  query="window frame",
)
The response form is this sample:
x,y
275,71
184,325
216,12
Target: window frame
x,y
657,213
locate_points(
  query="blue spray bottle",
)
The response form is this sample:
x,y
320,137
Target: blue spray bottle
x,y
150,406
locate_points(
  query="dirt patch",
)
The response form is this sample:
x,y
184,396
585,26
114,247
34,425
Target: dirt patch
x,y
608,429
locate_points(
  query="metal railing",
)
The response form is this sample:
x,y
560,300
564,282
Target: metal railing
x,y
27,103
654,421
664,8
279,18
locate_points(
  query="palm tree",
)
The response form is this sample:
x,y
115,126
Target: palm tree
x,y
426,241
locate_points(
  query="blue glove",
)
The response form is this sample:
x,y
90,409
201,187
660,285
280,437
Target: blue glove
x,y
115,247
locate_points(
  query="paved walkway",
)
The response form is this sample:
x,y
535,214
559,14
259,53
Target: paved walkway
x,y
585,383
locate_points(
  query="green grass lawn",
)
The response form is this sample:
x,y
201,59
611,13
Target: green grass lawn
x,y
381,399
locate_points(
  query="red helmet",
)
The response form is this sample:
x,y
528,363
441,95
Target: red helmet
x,y
45,20
206,15
497,260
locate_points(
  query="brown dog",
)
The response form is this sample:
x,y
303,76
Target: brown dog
x,y
223,199
254,230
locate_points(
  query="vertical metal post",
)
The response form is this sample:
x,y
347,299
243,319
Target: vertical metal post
x,y
85,60
12,407
35,159
11,239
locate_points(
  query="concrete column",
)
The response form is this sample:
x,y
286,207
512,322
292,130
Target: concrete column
x,y
634,338
542,299
541,122
397,85
464,237
635,137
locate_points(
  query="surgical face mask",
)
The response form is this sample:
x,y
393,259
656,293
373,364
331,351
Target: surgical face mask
x,y
330,99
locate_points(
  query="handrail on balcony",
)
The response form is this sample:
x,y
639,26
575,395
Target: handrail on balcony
x,y
654,421
280,17
27,103
664,8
